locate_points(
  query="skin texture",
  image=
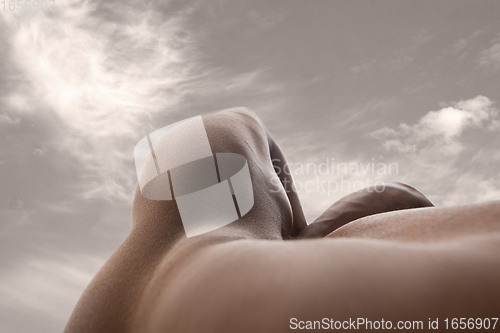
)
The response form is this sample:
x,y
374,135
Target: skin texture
x,y
388,255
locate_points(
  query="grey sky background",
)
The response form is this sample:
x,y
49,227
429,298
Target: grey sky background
x,y
409,82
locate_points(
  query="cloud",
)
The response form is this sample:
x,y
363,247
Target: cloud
x,y
399,59
439,131
266,20
7,120
16,204
459,45
490,57
422,37
103,77
43,290
400,62
471,187
39,151
356,118
363,67
420,87
16,103
463,43
448,153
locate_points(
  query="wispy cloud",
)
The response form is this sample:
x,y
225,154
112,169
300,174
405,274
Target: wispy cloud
x,y
364,66
266,20
490,57
422,37
39,151
102,77
44,290
399,59
334,142
8,120
420,87
459,45
462,46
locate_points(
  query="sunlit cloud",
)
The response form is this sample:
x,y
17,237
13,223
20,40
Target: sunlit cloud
x,y
434,153
440,131
103,78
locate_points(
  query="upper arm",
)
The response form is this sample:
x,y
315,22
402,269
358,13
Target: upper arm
x,y
259,286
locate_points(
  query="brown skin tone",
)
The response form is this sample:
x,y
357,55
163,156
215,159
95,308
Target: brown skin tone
x,y
387,255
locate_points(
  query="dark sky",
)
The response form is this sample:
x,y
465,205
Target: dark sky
x,y
383,90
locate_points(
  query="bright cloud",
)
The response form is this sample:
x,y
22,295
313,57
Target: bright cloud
x,y
440,131
435,153
103,78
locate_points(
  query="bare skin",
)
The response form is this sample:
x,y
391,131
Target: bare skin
x,y
387,255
